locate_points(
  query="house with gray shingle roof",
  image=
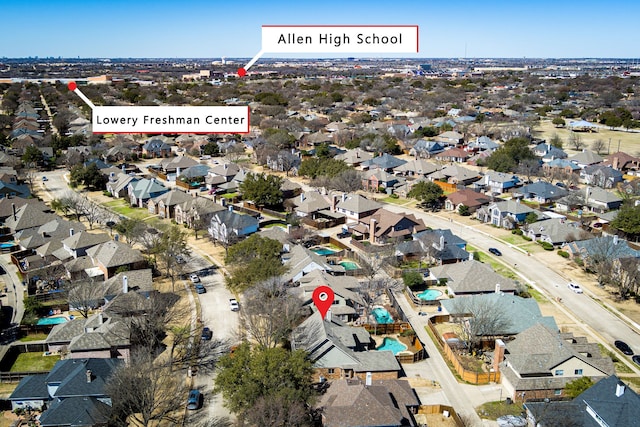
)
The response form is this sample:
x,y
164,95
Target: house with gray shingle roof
x,y
386,162
601,176
418,167
456,174
196,209
112,255
156,147
471,278
351,402
354,206
608,402
425,149
556,231
585,158
301,261
76,411
340,351
609,247
505,213
310,203
28,216
78,242
354,157
69,379
541,192
227,225
164,205
540,362
141,191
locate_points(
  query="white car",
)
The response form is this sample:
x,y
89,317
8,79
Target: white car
x,y
575,287
233,304
194,278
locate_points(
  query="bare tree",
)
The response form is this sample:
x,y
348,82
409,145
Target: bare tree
x,y
626,276
92,212
598,146
480,317
375,282
84,296
172,245
529,168
575,141
270,313
146,391
277,411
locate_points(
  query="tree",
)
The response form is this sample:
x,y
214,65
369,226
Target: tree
x,y
556,141
463,210
132,228
270,313
253,376
314,167
211,149
84,296
531,218
575,141
575,388
145,391
510,155
252,261
558,122
33,155
427,192
412,279
626,276
628,220
598,146
480,318
529,168
262,189
173,244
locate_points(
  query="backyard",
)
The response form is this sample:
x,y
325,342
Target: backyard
x,y
34,362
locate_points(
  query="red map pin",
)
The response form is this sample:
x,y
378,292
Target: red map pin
x,y
323,299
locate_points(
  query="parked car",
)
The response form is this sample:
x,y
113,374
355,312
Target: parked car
x,y
495,251
636,359
194,278
575,287
233,304
623,347
44,178
180,259
200,289
194,400
343,234
207,334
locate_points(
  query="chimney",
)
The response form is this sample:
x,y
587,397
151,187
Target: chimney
x,y
372,230
230,208
327,316
226,166
497,288
344,196
71,231
13,209
367,381
177,172
587,194
357,154
123,169
288,228
334,202
100,319
615,239
616,162
116,237
620,389
301,197
498,355
470,256
125,284
442,243
89,374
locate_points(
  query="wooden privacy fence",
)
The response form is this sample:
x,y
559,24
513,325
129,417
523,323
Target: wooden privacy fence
x,y
440,409
468,376
16,377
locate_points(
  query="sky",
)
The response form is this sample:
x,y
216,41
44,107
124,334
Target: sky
x,y
214,28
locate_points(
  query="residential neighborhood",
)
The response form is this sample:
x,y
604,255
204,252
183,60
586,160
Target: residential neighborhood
x,y
481,254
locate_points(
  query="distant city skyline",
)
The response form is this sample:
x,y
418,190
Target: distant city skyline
x,y
215,29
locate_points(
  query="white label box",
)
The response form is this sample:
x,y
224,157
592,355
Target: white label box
x,y
170,119
340,38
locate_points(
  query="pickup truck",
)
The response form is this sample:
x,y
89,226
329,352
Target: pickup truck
x,y
233,303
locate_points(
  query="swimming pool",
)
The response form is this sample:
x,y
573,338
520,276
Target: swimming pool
x,y
324,251
7,245
51,320
429,294
381,315
349,265
393,345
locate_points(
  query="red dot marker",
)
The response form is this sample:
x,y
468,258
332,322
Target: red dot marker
x,y
323,299
72,86
242,72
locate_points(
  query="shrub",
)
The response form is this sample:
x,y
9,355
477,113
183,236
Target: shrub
x,y
563,254
394,196
407,333
527,238
579,261
412,279
546,246
517,232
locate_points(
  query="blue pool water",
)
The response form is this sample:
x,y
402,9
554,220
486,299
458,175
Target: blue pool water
x,y
324,251
381,315
429,294
51,321
393,345
7,245
349,265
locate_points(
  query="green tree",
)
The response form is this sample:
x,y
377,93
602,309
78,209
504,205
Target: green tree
x,y
558,122
574,388
33,155
262,189
253,260
556,141
463,210
314,167
279,137
628,220
531,218
412,279
251,375
509,156
211,149
427,192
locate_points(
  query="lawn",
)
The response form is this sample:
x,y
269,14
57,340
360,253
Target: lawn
x,y
498,267
121,206
34,337
34,362
494,410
